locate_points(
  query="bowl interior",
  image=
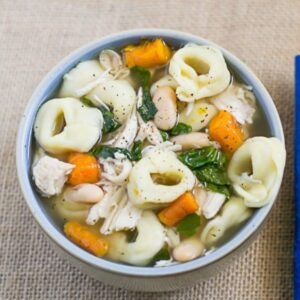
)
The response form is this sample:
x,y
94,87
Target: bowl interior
x,y
47,89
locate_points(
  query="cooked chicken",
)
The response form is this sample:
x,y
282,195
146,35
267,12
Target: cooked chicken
x,y
50,175
210,202
117,212
115,170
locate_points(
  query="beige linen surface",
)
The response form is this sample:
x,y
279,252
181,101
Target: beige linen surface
x,y
37,34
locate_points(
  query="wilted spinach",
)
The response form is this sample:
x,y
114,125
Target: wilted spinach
x,y
197,158
110,124
164,135
180,128
189,225
212,174
222,189
208,164
142,76
162,254
136,151
107,151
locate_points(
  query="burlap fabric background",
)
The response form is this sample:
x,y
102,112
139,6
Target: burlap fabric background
x,y
36,34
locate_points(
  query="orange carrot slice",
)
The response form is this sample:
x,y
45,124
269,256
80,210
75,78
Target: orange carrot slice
x,y
224,129
87,169
184,205
148,54
85,238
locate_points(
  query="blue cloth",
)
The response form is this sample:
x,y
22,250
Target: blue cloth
x,y
297,181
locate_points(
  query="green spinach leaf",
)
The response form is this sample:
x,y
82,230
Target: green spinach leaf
x,y
208,164
147,110
110,123
162,254
222,189
136,151
212,174
180,128
142,77
164,135
197,158
189,225
106,151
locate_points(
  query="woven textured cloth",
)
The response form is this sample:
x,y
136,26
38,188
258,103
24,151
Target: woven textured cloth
x,y
37,34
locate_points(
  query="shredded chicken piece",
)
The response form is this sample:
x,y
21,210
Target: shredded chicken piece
x,y
50,175
111,60
210,202
117,211
148,131
127,136
116,169
124,216
103,208
167,145
237,100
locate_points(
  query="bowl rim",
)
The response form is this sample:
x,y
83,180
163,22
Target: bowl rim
x,y
23,144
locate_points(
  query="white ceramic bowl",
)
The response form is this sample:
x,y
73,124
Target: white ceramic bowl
x,y
121,275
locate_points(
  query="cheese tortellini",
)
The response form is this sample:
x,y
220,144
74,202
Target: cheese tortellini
x,y
70,210
167,80
64,125
118,94
256,169
200,115
200,71
151,238
144,192
76,81
233,213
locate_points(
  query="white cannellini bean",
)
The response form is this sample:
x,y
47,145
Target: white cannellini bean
x,y
165,102
192,140
86,193
188,249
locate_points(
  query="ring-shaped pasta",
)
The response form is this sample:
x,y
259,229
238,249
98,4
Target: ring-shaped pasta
x,y
175,179
84,74
200,71
64,125
256,169
151,238
233,213
118,94
70,210
199,116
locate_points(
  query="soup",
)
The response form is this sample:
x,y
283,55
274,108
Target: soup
x,y
154,156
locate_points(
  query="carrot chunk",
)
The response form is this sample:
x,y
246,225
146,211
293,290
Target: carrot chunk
x,y
224,129
85,238
184,205
87,169
148,54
